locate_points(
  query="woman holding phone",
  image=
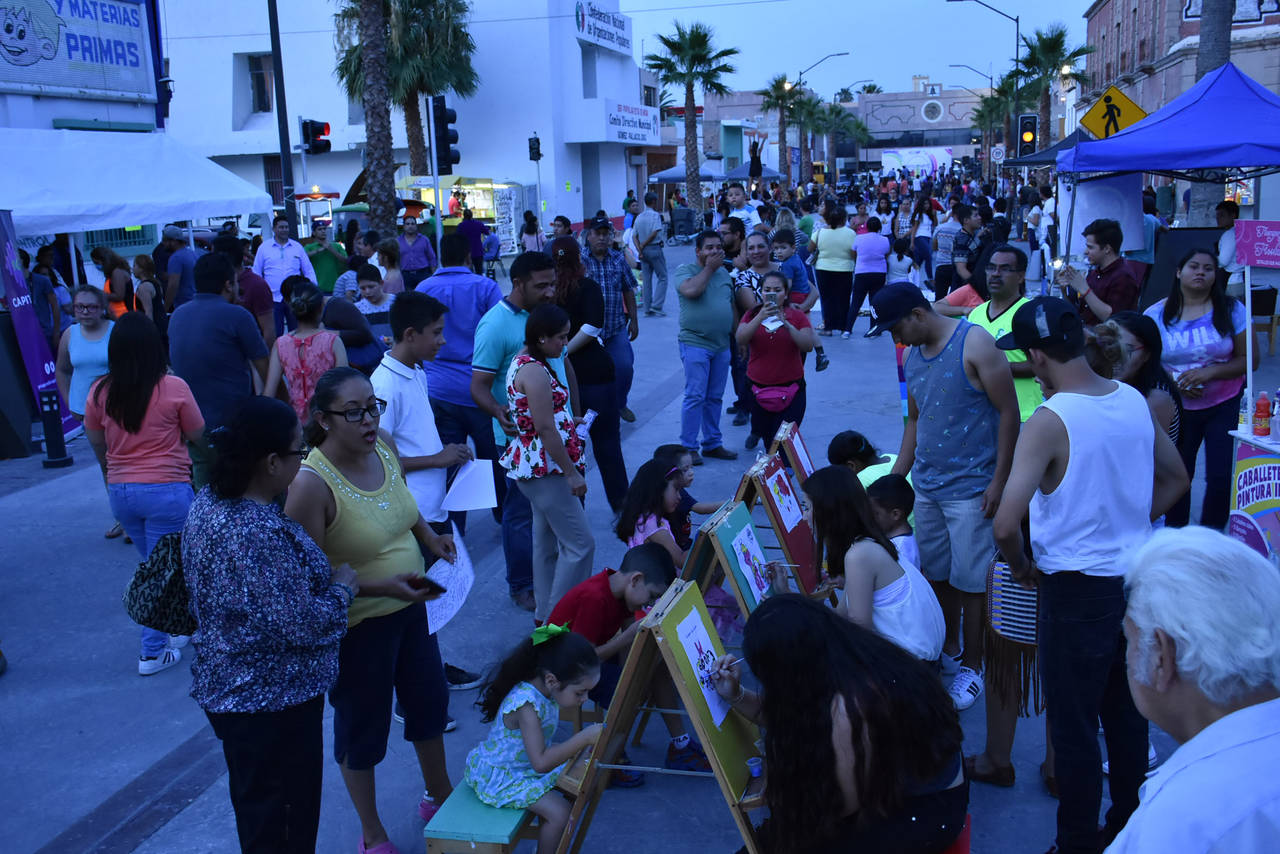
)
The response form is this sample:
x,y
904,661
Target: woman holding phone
x,y
778,335
350,496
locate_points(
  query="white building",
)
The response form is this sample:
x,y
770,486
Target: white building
x,y
558,68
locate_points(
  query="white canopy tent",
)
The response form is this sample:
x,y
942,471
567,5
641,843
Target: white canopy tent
x,y
77,181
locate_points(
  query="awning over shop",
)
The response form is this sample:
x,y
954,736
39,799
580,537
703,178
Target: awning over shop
x,y
71,180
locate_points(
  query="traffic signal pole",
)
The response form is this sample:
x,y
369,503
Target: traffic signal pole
x,y
437,228
282,122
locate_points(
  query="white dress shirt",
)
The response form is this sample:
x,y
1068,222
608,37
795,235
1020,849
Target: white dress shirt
x,y
412,425
1217,793
276,262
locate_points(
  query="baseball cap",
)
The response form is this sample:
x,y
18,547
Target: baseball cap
x,y
173,232
1044,323
892,303
600,222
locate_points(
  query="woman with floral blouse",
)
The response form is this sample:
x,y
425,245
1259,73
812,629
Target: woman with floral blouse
x,y
272,613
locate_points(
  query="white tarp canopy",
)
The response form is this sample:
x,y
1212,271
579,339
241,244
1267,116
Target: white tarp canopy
x,y
73,180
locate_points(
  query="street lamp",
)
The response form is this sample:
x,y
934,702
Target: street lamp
x,y
800,76
991,83
1017,39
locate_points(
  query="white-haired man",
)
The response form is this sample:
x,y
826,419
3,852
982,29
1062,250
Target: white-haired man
x,y
1204,665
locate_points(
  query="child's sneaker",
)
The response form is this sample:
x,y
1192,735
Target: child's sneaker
x,y
427,807
166,659
687,758
623,779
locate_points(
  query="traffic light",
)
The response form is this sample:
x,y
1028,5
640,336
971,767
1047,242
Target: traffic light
x,y
445,136
314,137
1028,133
535,148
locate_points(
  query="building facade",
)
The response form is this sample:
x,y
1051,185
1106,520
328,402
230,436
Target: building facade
x,y
922,123
558,68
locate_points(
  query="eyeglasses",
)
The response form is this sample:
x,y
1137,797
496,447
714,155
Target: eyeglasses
x,y
355,416
82,307
302,451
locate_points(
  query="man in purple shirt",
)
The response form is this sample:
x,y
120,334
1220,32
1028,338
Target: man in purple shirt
x,y
417,258
474,230
467,296
277,260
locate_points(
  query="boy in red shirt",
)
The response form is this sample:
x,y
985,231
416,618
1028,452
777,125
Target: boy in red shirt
x,y
603,610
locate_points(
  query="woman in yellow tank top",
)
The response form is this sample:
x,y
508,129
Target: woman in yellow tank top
x,y
351,497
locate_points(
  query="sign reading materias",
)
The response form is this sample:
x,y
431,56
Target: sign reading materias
x,y
1112,113
91,49
604,27
631,124
1258,242
1255,499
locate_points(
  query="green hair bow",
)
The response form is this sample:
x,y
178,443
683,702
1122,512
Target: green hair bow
x,y
542,634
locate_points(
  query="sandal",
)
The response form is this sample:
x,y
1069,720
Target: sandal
x,y
1002,777
114,531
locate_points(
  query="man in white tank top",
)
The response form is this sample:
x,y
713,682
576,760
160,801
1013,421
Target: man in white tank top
x,y
1092,468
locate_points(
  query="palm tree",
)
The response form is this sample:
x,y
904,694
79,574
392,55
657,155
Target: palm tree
x,y
1015,99
844,95
368,24
1046,56
690,60
428,53
835,122
779,94
806,110
870,89
1214,52
991,112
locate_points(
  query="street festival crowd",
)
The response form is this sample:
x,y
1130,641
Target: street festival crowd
x,y
297,413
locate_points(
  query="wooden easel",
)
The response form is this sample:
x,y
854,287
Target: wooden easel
x,y
794,536
791,446
728,746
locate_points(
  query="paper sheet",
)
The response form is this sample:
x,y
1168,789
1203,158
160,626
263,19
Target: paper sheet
x,y
750,558
457,579
802,453
697,645
785,499
472,487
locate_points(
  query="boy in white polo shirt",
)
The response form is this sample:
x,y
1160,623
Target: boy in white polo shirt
x,y
417,324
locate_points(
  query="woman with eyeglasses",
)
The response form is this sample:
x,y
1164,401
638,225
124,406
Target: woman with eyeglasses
x,y
272,612
138,419
350,496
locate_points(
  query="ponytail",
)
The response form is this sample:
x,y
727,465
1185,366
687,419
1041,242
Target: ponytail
x,y
566,656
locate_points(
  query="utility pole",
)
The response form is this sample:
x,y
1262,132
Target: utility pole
x,y
282,121
437,228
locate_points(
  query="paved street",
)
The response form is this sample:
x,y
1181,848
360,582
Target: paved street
x,y
102,760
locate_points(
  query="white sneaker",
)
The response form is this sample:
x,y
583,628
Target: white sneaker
x,y
951,663
163,661
179,641
965,688
1152,759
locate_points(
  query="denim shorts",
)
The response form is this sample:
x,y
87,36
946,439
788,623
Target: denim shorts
x,y
956,542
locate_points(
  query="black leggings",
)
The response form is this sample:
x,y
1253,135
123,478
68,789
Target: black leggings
x,y
1211,427
834,288
765,424
865,286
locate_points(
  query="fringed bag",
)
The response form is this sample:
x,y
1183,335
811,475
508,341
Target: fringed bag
x,y
1011,637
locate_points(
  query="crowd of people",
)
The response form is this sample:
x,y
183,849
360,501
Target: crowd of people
x,y
296,413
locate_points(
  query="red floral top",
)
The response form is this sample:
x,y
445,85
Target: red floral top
x,y
525,458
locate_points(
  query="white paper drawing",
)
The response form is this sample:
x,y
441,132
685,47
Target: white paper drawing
x,y
697,646
457,579
472,487
750,558
802,453
784,497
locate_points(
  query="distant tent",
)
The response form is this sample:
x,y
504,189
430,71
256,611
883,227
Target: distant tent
x,y
675,175
1049,156
739,173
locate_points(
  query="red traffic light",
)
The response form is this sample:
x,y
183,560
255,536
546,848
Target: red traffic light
x,y
313,136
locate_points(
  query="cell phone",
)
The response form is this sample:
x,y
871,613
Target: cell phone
x,y
773,299
422,582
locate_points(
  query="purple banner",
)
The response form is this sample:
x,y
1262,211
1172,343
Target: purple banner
x,y
1258,242
31,341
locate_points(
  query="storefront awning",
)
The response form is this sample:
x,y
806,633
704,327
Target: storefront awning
x,y
70,180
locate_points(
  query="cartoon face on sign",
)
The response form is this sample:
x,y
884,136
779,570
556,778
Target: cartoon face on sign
x,y
29,31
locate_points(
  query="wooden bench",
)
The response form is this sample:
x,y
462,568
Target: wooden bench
x,y
466,825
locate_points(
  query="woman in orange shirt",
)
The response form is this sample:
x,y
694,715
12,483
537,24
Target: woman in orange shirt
x,y
118,279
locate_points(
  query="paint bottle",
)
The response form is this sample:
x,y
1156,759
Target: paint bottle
x,y
1243,424
1262,416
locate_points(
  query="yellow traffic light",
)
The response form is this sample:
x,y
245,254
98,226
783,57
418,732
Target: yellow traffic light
x,y
1028,136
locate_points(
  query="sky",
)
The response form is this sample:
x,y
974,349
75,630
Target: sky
x,y
888,40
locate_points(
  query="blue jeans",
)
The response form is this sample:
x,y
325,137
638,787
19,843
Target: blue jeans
x,y
456,423
517,540
922,251
1208,427
1082,669
148,511
624,361
705,373
606,440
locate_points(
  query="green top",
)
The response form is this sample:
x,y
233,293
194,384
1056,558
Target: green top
x,y
806,225
1029,393
327,267
707,321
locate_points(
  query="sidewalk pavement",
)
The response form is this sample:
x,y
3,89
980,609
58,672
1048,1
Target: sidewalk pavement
x,y
103,760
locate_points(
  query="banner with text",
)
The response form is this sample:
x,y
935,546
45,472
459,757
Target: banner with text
x,y
603,27
631,124
91,49
1258,242
1255,499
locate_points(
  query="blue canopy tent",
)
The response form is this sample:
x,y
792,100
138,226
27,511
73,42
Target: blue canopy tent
x,y
1225,127
740,173
675,175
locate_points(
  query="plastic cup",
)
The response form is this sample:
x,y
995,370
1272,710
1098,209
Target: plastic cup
x,y
756,766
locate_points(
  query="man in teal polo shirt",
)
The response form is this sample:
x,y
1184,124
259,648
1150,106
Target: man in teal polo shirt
x,y
706,321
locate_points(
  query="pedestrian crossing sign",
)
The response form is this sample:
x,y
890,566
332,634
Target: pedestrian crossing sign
x,y
1112,113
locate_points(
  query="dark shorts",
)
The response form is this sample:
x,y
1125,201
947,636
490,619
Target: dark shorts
x,y
378,656
610,671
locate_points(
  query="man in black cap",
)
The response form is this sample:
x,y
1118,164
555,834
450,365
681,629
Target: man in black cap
x,y
1092,467
609,268
962,423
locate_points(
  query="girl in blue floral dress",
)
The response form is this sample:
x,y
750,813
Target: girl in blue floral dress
x,y
516,765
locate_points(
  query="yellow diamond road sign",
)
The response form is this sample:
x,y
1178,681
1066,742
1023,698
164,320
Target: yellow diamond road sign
x,y
1112,113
